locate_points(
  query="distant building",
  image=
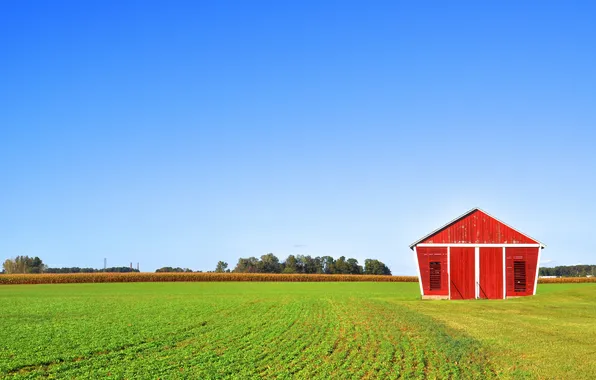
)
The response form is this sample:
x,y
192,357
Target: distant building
x,y
477,256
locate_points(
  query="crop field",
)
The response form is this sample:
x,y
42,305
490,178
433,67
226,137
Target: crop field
x,y
77,278
292,330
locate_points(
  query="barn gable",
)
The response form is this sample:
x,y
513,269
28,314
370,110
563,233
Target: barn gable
x,y
476,227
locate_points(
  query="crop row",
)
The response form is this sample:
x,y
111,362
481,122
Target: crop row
x,y
566,280
68,278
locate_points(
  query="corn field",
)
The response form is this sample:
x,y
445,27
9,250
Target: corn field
x,y
566,280
69,278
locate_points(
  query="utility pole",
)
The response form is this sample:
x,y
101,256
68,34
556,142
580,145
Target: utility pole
x,y
105,263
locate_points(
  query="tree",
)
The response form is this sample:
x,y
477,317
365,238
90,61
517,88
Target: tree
x,y
290,265
221,267
328,264
36,265
353,267
375,267
314,265
309,265
269,263
341,266
8,266
249,265
24,264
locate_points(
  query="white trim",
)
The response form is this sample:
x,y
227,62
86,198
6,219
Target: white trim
x,y
477,271
419,276
463,216
476,245
449,271
537,268
504,275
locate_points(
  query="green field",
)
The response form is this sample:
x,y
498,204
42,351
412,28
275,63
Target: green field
x,y
300,330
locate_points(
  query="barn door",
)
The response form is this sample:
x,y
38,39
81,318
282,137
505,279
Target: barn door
x,y
491,273
462,273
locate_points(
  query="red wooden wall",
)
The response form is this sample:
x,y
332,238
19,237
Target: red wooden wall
x,y
462,269
480,228
491,273
425,256
530,256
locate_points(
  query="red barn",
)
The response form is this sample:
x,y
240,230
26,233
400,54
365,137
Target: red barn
x,y
477,256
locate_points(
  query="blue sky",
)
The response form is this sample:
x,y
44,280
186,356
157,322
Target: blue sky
x,y
181,133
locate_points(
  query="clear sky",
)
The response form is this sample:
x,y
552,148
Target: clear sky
x,y
181,133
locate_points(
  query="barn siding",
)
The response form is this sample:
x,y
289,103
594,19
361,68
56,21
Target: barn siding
x,y
491,273
462,268
478,228
425,256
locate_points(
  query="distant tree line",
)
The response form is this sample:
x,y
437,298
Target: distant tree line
x,y
176,270
569,271
305,264
91,270
268,263
26,264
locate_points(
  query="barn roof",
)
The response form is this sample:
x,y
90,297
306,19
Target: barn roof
x,y
461,217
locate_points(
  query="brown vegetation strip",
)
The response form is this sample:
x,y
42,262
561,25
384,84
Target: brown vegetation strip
x,y
566,280
68,278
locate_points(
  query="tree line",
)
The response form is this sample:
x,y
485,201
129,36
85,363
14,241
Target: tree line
x,y
26,264
269,263
175,270
305,264
91,270
569,271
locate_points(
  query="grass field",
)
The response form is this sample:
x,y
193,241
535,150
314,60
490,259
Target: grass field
x,y
301,330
